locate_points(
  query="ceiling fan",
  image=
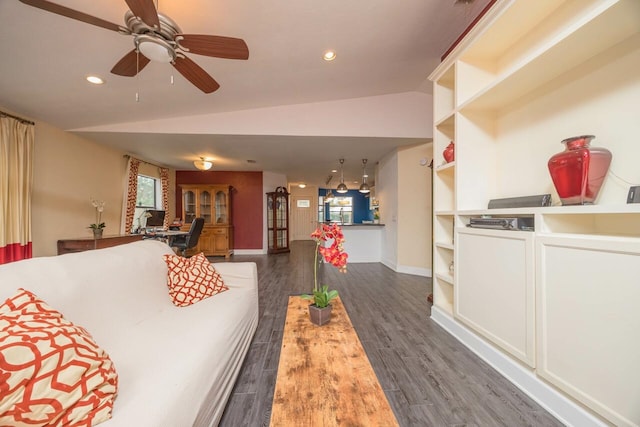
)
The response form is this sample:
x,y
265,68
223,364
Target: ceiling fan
x,y
158,38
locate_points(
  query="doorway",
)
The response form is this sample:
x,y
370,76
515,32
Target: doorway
x,y
303,212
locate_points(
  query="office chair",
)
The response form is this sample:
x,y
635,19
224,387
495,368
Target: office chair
x,y
190,240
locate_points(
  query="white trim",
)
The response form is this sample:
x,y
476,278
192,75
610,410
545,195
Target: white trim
x,y
416,271
249,251
558,405
389,263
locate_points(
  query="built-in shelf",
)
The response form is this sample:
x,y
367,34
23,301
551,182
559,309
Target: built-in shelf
x,y
528,75
446,167
448,246
445,277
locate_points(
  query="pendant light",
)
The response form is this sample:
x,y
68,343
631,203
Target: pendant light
x,y
329,196
364,187
342,188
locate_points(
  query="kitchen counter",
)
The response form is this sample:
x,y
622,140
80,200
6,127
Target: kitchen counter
x,y
363,242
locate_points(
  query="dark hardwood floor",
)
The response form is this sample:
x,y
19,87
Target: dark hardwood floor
x,y
429,378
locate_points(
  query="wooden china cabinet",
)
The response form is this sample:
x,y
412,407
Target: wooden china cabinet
x,y
213,203
278,220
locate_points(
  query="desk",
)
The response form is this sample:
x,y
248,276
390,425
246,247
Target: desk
x,y
66,246
167,236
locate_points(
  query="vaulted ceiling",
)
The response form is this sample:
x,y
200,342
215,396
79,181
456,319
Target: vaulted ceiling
x,y
383,47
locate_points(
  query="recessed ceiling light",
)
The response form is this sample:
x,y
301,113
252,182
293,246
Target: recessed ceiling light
x,y
329,55
334,170
95,80
302,185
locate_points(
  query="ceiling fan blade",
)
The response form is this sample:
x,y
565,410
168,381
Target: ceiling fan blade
x,y
196,75
216,46
74,14
130,64
145,10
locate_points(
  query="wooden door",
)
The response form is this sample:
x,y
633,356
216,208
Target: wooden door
x,y
303,219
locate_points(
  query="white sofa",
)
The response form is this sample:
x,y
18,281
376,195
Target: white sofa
x,y
176,366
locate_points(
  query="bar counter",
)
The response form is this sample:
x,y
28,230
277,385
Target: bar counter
x,y
363,242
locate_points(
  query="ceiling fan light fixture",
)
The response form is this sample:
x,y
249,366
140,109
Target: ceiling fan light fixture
x,y
155,49
202,164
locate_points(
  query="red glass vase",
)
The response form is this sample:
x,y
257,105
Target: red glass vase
x,y
449,152
579,171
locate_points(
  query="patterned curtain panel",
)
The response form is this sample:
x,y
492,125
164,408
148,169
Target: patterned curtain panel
x,y
16,180
131,193
164,182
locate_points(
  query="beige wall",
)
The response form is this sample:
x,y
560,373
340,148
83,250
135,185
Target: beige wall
x,y
414,209
68,172
387,194
403,188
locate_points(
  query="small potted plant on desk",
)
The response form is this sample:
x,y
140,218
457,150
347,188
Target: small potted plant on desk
x,y
320,310
98,226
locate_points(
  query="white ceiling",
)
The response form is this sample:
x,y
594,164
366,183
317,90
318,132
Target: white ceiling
x,y
383,47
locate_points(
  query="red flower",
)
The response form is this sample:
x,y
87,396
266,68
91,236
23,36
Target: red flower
x,y
334,253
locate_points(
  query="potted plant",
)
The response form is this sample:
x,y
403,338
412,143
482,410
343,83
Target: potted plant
x,y
320,310
98,226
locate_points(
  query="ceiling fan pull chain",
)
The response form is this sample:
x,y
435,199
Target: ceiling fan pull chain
x,y
137,73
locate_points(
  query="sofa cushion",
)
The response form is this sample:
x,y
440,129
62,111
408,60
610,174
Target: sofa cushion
x,y
51,371
192,279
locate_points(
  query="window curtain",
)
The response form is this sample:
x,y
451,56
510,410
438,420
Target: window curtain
x,y
16,182
131,192
164,184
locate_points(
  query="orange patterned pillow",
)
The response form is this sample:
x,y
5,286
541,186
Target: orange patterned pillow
x,y
51,371
192,279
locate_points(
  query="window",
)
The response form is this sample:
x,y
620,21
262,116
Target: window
x,y
340,210
146,197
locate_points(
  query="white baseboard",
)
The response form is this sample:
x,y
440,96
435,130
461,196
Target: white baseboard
x,y
391,264
557,404
249,251
416,271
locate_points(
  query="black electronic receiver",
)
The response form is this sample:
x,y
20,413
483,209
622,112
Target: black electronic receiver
x,y
512,223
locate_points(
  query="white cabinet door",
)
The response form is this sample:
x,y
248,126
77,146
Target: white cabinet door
x,y
588,314
494,292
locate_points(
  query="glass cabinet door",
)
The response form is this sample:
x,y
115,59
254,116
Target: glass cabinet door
x,y
270,212
281,215
221,207
205,206
277,221
189,199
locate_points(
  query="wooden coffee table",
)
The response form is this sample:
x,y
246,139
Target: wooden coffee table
x,y
324,376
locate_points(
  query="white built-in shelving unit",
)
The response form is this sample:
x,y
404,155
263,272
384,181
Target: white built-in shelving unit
x,y
559,303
